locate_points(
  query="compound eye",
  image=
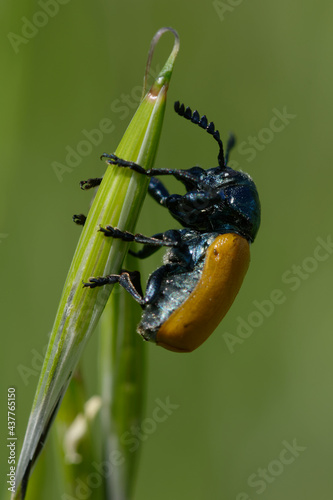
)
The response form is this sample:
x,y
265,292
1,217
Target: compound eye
x,y
198,171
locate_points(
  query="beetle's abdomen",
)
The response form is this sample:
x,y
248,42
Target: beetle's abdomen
x,y
175,290
226,263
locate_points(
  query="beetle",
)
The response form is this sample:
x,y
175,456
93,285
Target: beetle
x,y
205,262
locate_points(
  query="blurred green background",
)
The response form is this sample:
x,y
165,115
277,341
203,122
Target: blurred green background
x,y
250,391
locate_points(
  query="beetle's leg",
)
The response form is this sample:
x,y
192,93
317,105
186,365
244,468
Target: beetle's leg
x,y
166,239
191,208
182,175
172,235
145,252
115,160
90,183
79,219
194,200
158,191
130,281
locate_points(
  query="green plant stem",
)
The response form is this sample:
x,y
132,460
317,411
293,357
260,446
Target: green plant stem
x,y
122,368
117,202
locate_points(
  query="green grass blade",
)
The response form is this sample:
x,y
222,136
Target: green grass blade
x,y
117,202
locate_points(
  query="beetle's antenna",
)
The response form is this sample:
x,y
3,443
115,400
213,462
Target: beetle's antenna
x,y
230,145
203,123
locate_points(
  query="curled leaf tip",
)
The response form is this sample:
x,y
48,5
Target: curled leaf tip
x,y
165,75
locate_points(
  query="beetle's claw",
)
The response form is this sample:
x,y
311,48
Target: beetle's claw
x,y
79,219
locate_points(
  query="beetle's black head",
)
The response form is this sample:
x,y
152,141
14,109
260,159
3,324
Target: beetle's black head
x,y
238,210
218,199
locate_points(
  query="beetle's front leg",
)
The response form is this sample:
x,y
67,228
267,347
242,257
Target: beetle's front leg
x,y
191,208
172,236
185,176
